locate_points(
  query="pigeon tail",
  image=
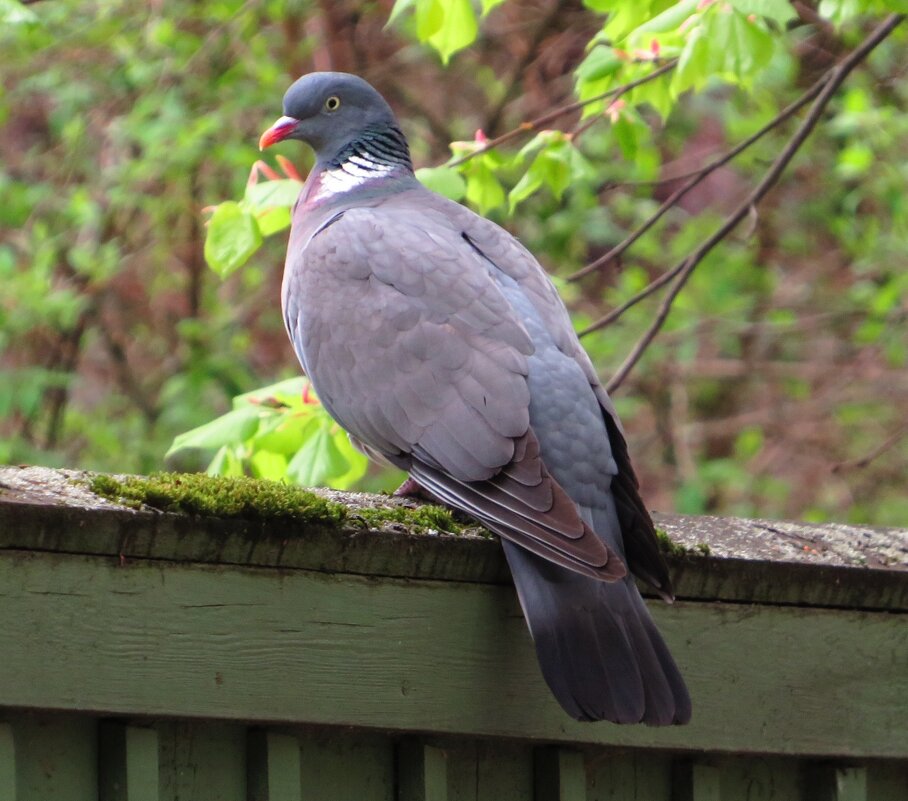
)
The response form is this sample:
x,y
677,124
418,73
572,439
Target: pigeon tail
x,y
598,647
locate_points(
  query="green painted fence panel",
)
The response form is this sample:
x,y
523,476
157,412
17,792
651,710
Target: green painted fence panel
x,y
339,768
162,658
488,770
169,639
202,761
56,758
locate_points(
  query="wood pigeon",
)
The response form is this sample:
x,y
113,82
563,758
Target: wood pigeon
x,y
439,343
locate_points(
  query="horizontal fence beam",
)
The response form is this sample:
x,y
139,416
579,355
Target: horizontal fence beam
x,y
93,635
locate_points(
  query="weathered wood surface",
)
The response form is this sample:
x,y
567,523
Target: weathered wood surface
x,y
105,610
750,560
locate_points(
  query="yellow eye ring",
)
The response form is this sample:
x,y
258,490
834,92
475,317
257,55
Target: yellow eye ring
x,y
332,103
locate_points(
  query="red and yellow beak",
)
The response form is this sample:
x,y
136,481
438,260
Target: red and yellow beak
x,y
280,130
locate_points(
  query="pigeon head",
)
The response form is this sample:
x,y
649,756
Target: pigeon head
x,y
330,111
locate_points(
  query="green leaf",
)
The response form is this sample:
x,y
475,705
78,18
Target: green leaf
x,y
693,69
430,16
623,18
530,183
458,28
272,194
225,463
273,393
270,221
745,45
727,45
626,136
670,19
556,166
269,465
229,429
600,62
14,13
483,189
319,459
233,236
359,464
446,181
780,11
657,93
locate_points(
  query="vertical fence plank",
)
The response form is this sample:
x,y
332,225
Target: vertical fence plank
x,y
850,784
422,772
7,762
696,782
127,763
837,783
559,775
273,762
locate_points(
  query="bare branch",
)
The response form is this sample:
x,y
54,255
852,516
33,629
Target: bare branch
x,y
545,119
836,77
699,175
879,450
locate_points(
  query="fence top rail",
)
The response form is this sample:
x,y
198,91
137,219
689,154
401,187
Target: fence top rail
x,y
711,558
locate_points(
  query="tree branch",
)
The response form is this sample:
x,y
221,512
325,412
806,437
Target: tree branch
x,y
545,119
699,175
684,270
879,450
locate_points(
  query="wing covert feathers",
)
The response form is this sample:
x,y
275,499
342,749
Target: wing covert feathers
x,y
525,505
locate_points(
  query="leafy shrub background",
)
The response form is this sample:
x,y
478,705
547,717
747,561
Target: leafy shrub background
x,y
778,386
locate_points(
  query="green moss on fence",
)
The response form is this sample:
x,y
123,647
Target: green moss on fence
x,y
257,499
200,494
671,548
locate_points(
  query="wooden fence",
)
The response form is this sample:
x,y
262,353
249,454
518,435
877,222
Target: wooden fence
x,y
149,656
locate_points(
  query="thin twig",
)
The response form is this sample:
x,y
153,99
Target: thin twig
x,y
879,450
699,175
684,270
610,186
545,119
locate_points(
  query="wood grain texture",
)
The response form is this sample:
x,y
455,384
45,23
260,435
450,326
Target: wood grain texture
x,y
201,761
480,770
249,644
753,561
357,765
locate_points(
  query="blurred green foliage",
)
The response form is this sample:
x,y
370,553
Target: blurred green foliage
x,y
783,362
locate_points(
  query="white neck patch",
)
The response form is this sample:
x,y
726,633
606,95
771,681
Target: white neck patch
x,y
351,174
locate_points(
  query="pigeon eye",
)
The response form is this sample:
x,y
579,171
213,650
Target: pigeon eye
x,y
332,103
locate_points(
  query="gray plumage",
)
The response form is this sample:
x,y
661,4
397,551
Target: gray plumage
x,y
438,342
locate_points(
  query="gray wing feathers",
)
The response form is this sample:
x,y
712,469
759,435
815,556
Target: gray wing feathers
x,y
422,358
426,314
